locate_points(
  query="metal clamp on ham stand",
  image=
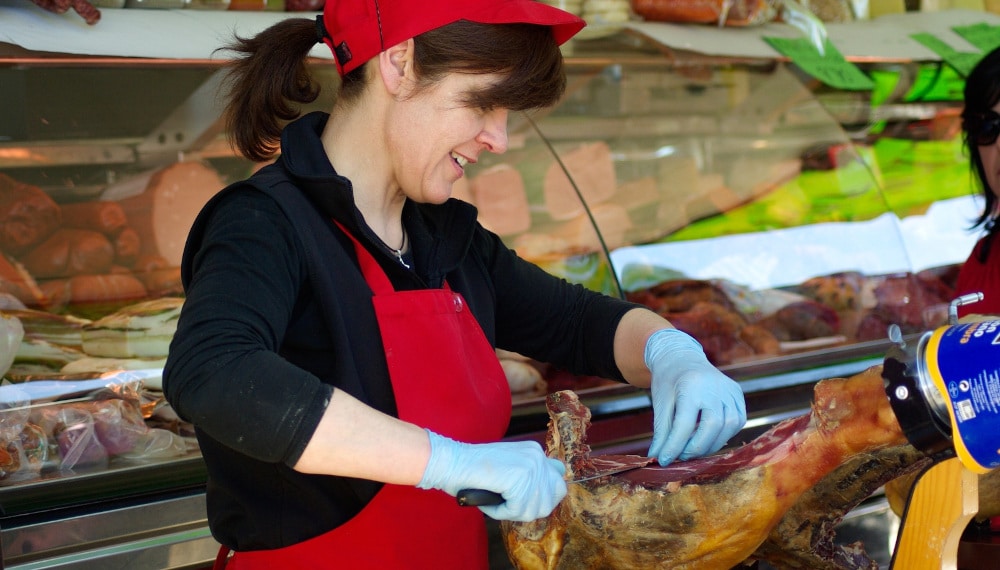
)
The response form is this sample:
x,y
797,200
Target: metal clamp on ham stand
x,y
945,393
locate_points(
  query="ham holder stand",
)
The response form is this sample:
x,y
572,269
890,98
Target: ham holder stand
x,y
945,496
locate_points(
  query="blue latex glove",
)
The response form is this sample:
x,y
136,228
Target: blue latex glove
x,y
530,483
696,408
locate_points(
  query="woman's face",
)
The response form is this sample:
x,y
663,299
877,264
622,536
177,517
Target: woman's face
x,y
434,134
990,156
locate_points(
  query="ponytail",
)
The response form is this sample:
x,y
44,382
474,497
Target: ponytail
x,y
267,84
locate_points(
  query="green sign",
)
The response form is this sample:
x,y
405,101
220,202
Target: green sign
x,y
962,61
830,67
984,36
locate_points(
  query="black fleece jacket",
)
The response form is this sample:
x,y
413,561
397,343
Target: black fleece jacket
x,y
277,316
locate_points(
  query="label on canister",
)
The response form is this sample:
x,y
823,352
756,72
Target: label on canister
x,y
963,361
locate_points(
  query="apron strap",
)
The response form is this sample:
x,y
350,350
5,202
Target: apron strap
x,y
374,275
222,558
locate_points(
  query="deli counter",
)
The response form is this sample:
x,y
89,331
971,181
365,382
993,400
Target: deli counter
x,y
783,223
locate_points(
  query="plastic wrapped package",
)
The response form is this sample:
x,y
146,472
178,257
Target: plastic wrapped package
x,y
56,428
11,335
156,444
75,432
801,16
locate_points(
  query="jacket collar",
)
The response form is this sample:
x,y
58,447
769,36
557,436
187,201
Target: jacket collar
x,y
439,234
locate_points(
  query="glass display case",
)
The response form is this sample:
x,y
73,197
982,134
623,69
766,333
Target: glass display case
x,y
782,223
741,200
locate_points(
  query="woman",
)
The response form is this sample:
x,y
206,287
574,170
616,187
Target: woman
x,y
336,348
981,126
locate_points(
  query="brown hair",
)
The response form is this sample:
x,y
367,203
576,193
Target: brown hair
x,y
981,94
269,80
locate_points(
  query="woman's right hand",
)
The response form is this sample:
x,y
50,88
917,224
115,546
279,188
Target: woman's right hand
x,y
530,483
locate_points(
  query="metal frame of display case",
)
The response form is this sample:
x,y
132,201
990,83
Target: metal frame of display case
x,y
152,516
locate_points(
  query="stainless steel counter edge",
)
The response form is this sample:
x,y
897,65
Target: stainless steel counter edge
x,y
162,533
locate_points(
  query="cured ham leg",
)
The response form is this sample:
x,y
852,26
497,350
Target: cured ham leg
x,y
710,513
804,539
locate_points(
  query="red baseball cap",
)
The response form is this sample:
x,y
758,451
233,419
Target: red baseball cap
x,y
358,30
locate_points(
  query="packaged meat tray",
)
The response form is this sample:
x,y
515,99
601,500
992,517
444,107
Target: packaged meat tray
x,y
67,425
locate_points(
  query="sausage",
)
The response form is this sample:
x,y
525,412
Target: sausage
x,y
104,288
104,216
85,9
127,245
27,216
70,252
740,12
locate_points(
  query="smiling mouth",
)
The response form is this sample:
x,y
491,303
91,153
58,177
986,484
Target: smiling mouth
x,y
459,159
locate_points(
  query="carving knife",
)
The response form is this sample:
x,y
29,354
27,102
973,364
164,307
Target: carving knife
x,y
483,498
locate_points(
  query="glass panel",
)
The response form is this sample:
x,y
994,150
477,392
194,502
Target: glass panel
x,y
739,200
102,169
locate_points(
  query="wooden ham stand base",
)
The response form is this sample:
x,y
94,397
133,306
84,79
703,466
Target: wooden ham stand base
x,y
943,501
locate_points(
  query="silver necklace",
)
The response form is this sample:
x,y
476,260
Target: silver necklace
x,y
397,253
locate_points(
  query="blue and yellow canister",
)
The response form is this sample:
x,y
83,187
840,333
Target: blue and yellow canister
x,y
946,392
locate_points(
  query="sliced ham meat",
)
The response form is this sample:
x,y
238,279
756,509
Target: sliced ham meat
x,y
715,512
611,219
162,213
593,170
500,196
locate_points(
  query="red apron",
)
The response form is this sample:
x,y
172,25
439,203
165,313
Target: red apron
x,y
445,377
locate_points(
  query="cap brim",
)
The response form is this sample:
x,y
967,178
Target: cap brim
x,y
564,24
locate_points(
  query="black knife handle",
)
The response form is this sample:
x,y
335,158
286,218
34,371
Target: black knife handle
x,y
478,498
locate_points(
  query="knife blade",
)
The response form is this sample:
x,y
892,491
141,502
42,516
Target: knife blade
x,y
484,498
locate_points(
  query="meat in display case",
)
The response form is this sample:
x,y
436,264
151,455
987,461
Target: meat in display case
x,y
734,195
729,199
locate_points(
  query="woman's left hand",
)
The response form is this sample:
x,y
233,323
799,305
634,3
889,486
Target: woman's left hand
x,y
696,408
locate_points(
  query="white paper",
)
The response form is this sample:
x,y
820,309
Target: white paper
x,y
942,235
37,391
173,34
196,34
784,257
